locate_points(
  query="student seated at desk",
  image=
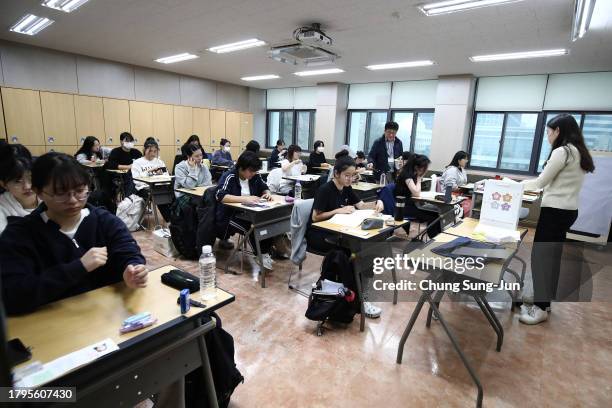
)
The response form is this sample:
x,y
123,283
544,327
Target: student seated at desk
x,y
65,247
223,157
150,165
242,184
277,154
90,151
291,166
252,146
121,158
360,160
192,140
18,199
454,174
408,185
191,173
317,157
337,197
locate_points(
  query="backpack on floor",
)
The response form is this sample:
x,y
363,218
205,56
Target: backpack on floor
x,y
226,376
130,211
183,226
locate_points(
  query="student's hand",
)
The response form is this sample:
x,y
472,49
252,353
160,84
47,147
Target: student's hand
x,y
379,207
267,196
370,166
94,258
191,162
135,276
251,199
349,209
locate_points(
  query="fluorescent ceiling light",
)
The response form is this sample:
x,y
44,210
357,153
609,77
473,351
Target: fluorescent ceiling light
x,y
394,65
259,77
519,55
31,24
451,6
583,10
319,72
67,6
240,45
176,58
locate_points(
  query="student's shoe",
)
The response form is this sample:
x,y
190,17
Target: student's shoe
x,y
533,315
226,244
267,261
371,311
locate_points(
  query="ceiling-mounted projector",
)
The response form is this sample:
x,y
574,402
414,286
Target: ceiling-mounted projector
x,y
306,49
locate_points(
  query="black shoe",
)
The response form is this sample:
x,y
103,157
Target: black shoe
x,y
225,244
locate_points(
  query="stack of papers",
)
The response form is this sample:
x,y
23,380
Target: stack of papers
x,y
492,234
352,220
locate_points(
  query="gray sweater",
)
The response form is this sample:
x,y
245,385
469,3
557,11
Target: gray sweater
x,y
453,176
190,177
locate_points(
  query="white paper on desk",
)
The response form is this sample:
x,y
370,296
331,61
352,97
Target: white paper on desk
x,y
351,220
69,362
497,235
430,195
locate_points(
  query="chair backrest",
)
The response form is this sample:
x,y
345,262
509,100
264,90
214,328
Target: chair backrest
x,y
274,179
387,196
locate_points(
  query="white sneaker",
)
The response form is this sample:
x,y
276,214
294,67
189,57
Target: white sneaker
x,y
532,315
371,311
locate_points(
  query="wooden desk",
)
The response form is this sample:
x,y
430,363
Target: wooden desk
x,y
94,165
303,178
491,273
117,171
429,197
196,191
466,228
160,192
529,197
266,222
353,238
366,191
157,355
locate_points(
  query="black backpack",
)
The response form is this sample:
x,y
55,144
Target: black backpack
x,y
220,345
207,229
183,226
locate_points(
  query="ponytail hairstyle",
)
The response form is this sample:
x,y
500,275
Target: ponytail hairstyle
x,y
570,133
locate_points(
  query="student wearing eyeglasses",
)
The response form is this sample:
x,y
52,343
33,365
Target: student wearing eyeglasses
x,y
65,246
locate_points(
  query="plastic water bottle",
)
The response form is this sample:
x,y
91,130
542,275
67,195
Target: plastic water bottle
x,y
383,179
208,265
298,190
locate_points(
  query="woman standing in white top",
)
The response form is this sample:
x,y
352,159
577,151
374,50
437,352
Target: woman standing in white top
x,y
18,199
292,166
561,179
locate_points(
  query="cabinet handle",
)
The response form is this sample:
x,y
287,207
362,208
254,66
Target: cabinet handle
x,y
14,139
51,139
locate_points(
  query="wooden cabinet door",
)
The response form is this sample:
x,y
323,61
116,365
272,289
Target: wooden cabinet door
x,y
201,126
217,128
246,129
141,121
23,117
183,124
58,119
89,116
68,149
116,120
163,124
167,153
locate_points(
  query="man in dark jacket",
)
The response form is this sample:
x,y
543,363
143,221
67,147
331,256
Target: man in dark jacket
x,y
242,185
385,150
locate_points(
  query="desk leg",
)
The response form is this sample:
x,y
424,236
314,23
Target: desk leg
x,y
457,349
262,270
238,245
415,314
437,300
208,378
154,209
394,276
361,300
490,315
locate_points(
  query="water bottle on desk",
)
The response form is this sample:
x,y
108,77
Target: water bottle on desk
x,y
208,264
383,179
298,190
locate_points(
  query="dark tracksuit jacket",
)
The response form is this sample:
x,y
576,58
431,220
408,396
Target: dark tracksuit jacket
x,y
379,157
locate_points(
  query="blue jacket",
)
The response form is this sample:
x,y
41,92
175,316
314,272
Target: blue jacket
x,y
229,183
222,158
379,157
41,265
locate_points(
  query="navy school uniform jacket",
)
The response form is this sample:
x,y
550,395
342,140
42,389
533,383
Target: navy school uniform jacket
x,y
379,157
229,183
40,264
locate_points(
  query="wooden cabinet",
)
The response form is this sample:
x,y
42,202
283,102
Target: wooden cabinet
x,y
246,129
116,120
68,149
183,124
89,116
23,117
167,153
38,151
217,128
141,121
201,126
58,119
2,125
163,124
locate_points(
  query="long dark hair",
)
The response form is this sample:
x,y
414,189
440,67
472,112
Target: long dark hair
x,y
59,171
460,155
87,147
15,161
292,149
569,132
409,170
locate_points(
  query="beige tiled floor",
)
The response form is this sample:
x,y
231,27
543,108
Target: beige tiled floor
x,y
565,362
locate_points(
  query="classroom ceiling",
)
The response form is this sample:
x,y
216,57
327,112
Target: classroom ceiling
x,y
364,32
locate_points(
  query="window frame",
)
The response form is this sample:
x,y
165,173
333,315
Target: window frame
x,y
293,140
415,118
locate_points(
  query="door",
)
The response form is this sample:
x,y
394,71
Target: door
x,y
116,120
23,116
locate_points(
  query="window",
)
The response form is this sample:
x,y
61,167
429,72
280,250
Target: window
x,y
293,126
597,131
415,126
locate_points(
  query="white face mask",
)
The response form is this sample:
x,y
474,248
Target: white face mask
x,y
227,148
128,145
320,149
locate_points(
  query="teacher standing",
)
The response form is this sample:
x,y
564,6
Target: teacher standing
x,y
384,151
561,179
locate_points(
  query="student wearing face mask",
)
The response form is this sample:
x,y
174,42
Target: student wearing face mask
x,y
317,157
121,158
223,157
